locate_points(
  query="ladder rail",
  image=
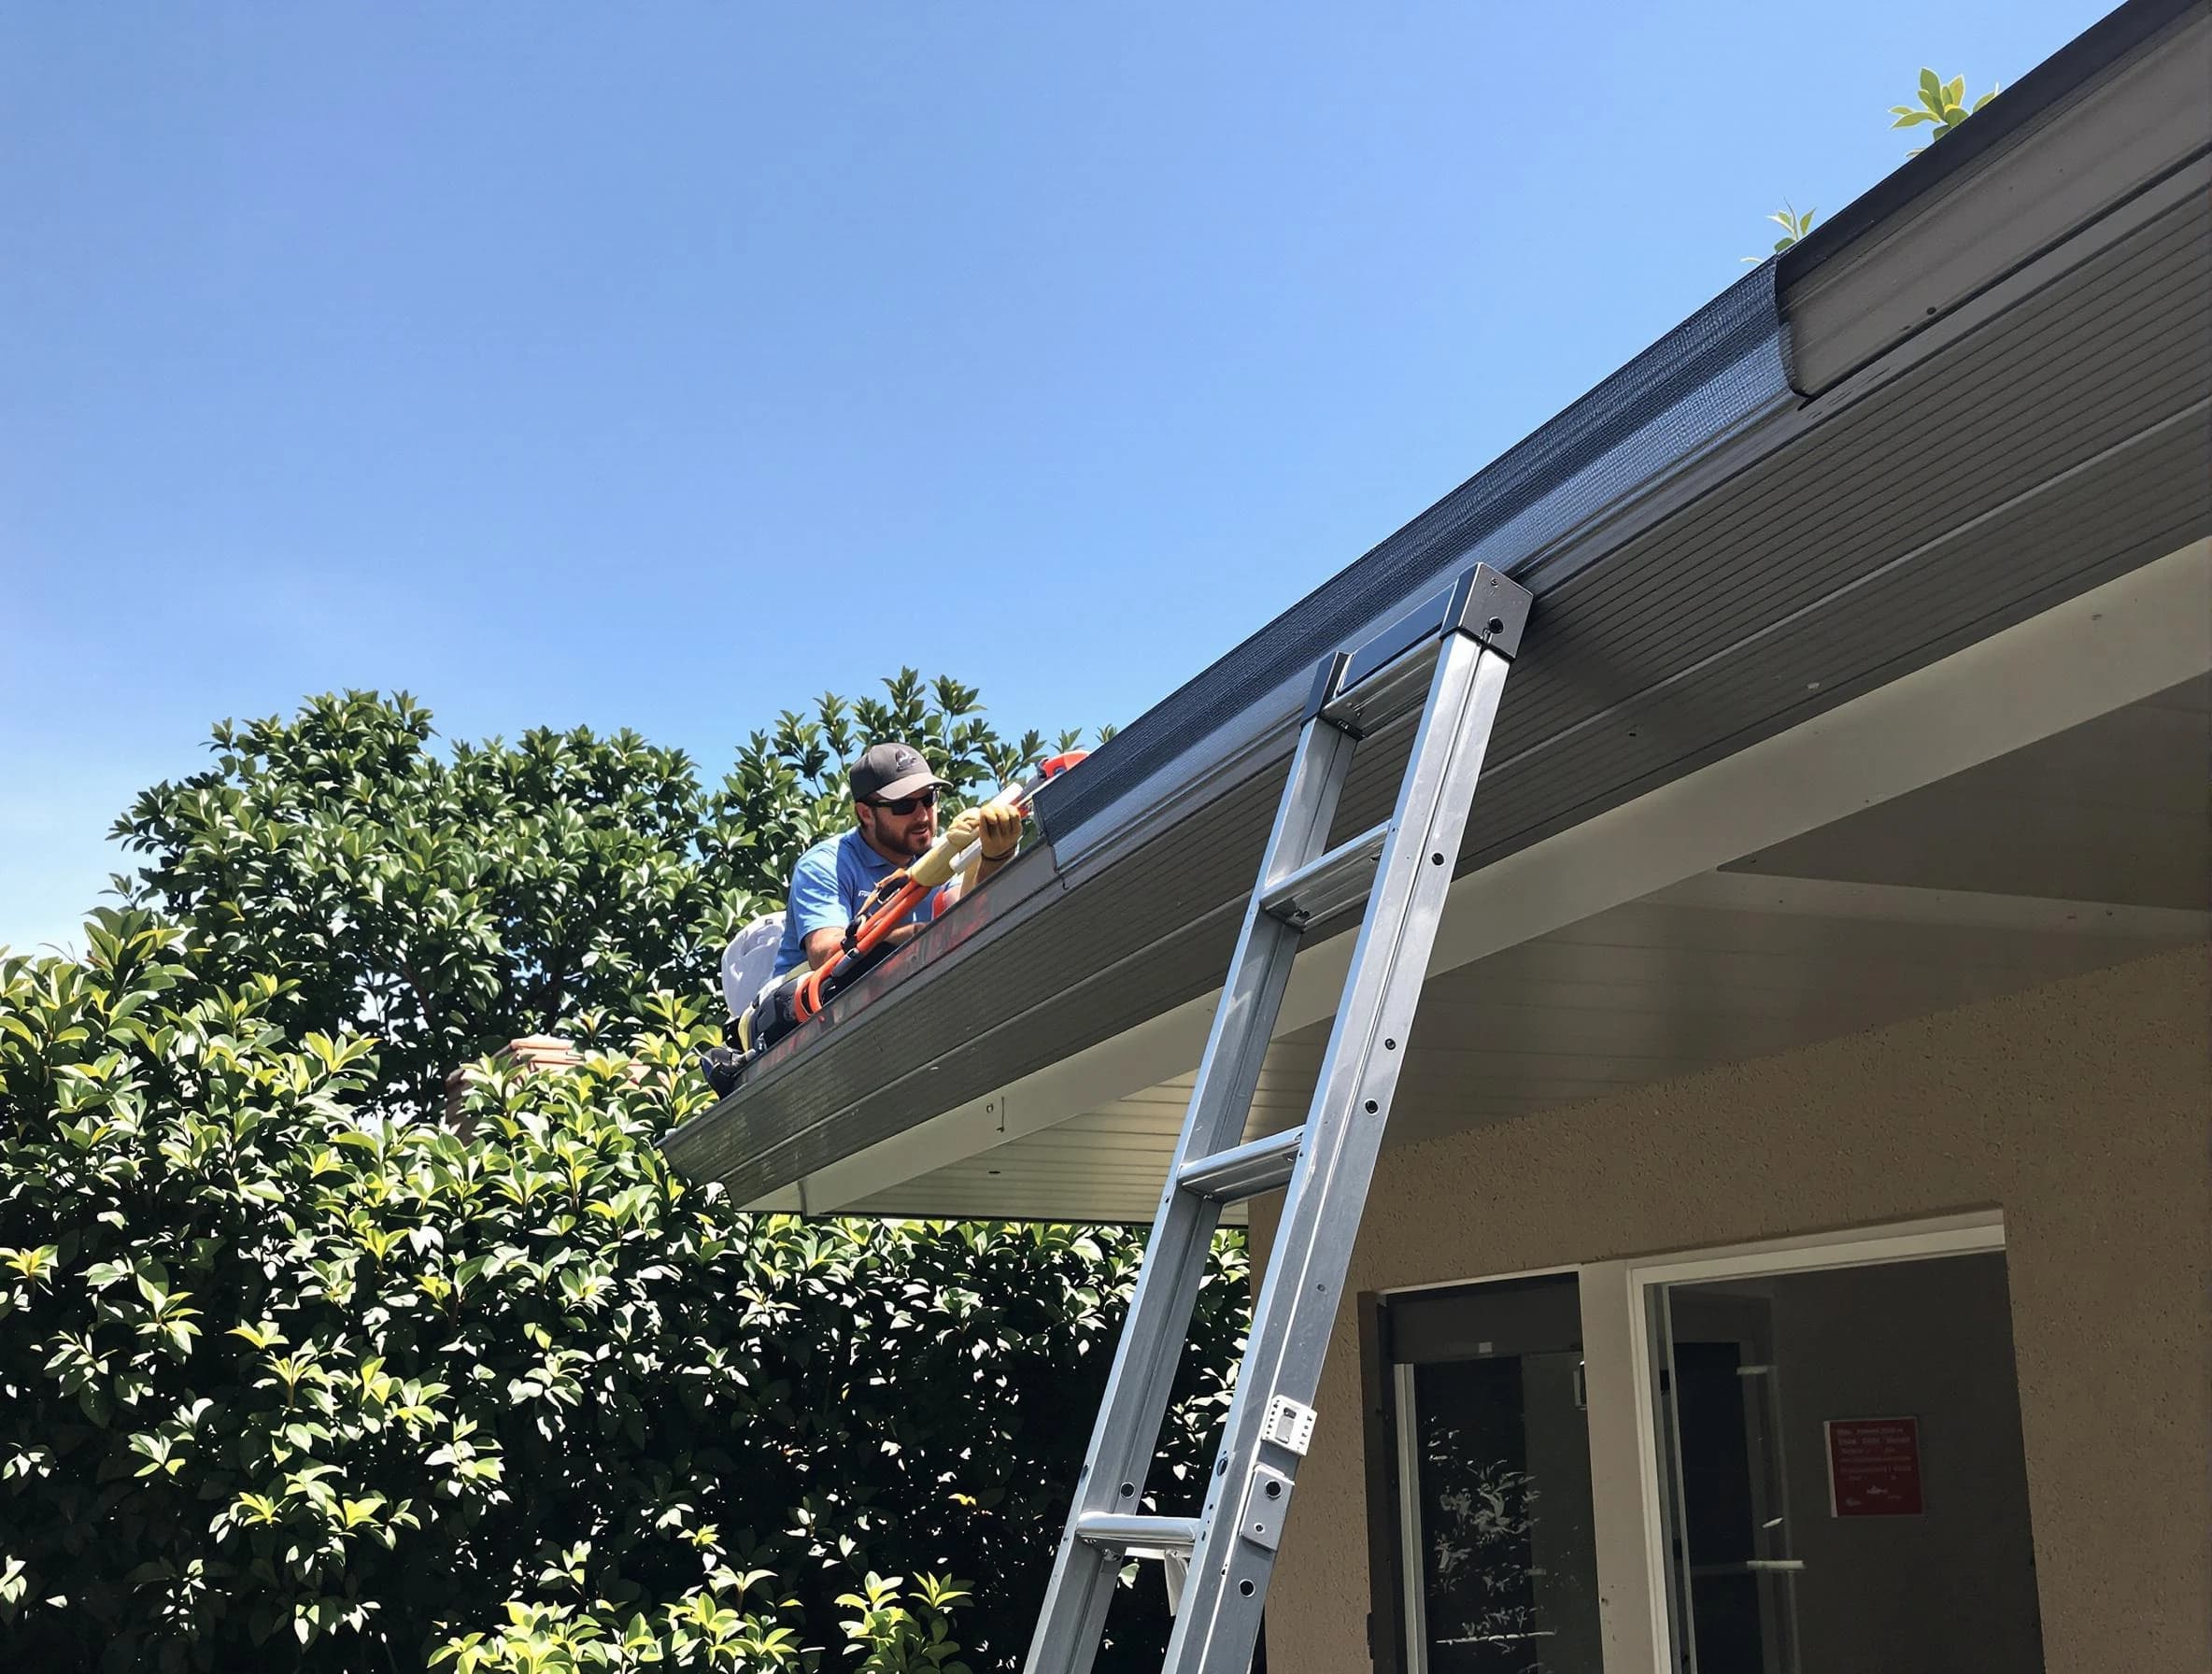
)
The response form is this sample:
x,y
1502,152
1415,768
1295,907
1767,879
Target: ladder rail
x,y
1154,1332
1226,1588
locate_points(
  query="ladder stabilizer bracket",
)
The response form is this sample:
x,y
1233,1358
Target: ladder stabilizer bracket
x,y
1289,1425
1488,606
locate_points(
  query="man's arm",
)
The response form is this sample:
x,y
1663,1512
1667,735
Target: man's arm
x,y
815,905
820,944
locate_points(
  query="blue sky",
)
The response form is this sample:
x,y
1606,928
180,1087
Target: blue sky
x,y
664,365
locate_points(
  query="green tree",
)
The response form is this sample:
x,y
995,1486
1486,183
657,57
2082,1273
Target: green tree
x,y
446,902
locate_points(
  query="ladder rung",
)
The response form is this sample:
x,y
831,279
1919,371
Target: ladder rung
x,y
1112,1528
1245,1171
1337,879
1383,694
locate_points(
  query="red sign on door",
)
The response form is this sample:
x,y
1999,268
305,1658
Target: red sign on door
x,y
1874,1466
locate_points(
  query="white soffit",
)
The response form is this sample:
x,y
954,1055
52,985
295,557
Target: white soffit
x,y
2116,645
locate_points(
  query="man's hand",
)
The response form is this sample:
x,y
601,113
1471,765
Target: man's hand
x,y
998,830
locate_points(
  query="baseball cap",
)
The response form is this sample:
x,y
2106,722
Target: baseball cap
x,y
886,772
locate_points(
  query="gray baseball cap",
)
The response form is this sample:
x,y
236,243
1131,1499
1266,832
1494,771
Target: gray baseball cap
x,y
886,772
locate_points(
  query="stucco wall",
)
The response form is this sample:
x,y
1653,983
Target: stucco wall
x,y
2082,1109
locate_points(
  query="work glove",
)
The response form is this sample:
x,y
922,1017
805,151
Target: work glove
x,y
960,831
999,830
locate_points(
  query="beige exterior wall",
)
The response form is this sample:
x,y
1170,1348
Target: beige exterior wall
x,y
2083,1111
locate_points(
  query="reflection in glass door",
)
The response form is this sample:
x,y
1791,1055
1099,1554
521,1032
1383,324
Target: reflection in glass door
x,y
1495,1553
1841,1474
1730,1544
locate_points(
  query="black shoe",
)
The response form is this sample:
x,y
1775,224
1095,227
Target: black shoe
x,y
723,1069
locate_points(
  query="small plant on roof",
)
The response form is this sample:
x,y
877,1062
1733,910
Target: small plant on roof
x,y
1942,103
1794,225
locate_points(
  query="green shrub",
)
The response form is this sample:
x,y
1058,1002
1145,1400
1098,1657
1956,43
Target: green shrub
x,y
288,1381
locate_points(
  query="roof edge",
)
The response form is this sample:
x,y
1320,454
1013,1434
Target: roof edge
x,y
2026,103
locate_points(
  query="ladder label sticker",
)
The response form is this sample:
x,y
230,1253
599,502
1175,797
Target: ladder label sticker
x,y
1289,1425
1267,1502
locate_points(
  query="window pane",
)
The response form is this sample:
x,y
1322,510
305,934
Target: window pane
x,y
1501,1507
1845,1483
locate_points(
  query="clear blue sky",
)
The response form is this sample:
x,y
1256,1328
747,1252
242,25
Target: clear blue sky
x,y
663,365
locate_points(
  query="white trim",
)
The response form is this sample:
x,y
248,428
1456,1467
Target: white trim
x,y
1974,1232
1532,1272
1906,903
1967,1234
1631,1602
1412,1552
2127,640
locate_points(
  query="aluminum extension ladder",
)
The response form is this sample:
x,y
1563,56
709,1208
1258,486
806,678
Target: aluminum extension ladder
x,y
1448,658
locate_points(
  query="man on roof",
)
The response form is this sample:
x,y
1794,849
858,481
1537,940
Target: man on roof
x,y
894,824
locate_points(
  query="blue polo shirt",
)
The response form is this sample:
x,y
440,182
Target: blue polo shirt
x,y
827,885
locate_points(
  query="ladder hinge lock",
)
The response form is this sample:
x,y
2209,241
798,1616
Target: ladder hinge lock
x,y
1266,1503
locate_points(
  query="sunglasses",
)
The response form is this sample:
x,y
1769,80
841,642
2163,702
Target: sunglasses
x,y
905,805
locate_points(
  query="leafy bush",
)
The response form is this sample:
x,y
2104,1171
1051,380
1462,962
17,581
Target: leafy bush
x,y
712,1630
289,1383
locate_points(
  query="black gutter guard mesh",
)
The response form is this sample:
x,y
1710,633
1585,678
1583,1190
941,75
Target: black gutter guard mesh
x,y
1710,373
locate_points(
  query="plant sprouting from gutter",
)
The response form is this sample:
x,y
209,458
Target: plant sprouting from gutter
x,y
1942,103
1794,225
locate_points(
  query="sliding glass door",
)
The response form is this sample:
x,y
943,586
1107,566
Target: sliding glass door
x,y
1492,1552
1841,1478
